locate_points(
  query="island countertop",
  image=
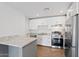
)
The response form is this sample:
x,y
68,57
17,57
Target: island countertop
x,y
19,41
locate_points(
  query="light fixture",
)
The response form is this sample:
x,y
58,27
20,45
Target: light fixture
x,y
70,10
61,11
46,9
37,14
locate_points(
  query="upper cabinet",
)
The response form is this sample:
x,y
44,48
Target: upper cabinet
x,y
73,9
46,25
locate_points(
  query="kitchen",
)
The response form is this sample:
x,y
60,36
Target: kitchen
x,y
39,29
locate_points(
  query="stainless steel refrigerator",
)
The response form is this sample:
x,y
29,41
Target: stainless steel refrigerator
x,y
72,45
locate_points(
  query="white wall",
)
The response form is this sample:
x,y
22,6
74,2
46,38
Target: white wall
x,y
11,21
26,25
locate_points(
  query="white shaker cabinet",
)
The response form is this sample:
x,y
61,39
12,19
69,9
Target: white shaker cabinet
x,y
44,40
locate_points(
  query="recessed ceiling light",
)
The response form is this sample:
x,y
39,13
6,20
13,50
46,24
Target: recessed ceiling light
x,y
46,9
70,10
61,11
37,14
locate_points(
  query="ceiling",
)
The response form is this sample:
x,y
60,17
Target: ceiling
x,y
34,9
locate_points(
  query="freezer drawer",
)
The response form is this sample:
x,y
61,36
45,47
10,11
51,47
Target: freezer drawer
x,y
68,52
73,52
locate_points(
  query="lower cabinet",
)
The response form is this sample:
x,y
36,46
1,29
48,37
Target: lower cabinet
x,y
44,40
29,50
26,51
3,50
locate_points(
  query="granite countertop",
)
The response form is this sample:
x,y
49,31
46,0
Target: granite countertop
x,y
19,41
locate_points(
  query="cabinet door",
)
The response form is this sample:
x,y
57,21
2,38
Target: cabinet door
x,y
46,41
39,41
3,50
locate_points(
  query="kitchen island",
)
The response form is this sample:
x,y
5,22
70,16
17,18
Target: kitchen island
x,y
17,46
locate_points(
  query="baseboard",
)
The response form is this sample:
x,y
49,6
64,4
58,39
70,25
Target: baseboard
x,y
43,45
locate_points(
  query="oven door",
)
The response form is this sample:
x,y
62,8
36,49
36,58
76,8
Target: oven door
x,y
57,42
